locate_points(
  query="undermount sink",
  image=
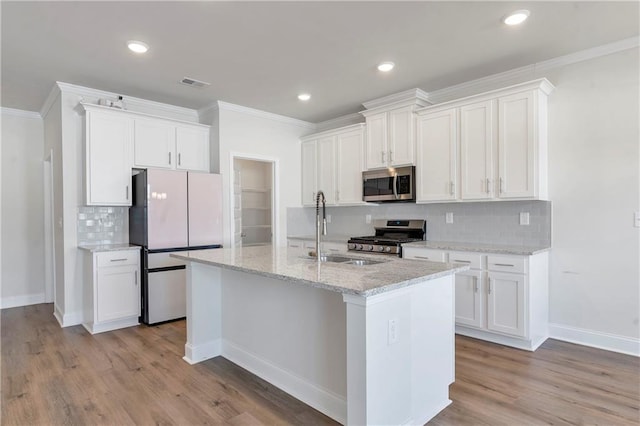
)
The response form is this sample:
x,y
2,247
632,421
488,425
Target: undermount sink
x,y
348,260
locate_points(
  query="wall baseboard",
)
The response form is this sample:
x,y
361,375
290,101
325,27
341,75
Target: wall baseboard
x,y
327,402
23,300
68,320
610,342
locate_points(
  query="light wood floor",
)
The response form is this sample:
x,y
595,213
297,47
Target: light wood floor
x,y
136,376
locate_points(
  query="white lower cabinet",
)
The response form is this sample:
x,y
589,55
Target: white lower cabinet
x,y
501,298
112,290
327,246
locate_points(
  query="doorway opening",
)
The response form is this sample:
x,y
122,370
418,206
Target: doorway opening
x,y
253,205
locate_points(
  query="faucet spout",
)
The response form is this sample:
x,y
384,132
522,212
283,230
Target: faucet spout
x,y
321,226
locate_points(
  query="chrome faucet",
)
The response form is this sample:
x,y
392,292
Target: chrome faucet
x,y
320,228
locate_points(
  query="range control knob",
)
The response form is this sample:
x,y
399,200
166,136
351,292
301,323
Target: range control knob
x,y
369,247
351,246
381,248
387,249
358,246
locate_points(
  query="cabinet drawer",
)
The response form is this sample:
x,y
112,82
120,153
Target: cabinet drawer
x,y
474,260
424,254
517,264
118,258
163,260
295,243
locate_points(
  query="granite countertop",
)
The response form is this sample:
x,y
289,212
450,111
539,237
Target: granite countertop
x,y
108,247
325,238
294,265
479,247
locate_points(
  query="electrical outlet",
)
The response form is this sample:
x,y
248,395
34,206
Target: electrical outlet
x,y
393,332
524,218
328,218
367,219
449,218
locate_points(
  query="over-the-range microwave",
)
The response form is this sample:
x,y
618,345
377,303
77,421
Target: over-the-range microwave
x,y
393,184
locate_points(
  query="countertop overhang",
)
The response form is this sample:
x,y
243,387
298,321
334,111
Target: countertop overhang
x,y
295,265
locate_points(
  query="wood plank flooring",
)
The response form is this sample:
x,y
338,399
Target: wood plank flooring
x,y
54,376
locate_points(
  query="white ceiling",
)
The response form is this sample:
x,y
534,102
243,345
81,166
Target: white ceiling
x,y
262,54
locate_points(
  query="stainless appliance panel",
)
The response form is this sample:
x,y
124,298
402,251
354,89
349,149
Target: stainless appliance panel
x,y
393,184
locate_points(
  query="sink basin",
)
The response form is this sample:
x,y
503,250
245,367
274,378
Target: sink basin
x,y
349,260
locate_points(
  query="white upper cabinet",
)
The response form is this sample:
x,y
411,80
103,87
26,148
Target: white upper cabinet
x,y
155,142
494,144
108,158
309,172
166,144
477,150
391,138
332,162
192,148
437,156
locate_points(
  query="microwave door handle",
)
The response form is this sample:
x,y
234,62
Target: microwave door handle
x,y
395,185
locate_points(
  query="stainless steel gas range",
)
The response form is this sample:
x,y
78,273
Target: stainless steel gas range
x,y
390,235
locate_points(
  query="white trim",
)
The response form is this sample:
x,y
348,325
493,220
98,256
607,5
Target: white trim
x,y
413,95
51,99
333,131
188,113
345,120
57,314
323,400
68,320
595,339
22,300
529,71
360,300
262,114
196,354
91,106
21,113
514,342
94,328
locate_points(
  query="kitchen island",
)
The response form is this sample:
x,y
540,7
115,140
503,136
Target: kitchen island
x,y
368,343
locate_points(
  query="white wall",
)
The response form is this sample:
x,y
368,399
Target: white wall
x,y
244,131
594,184
22,252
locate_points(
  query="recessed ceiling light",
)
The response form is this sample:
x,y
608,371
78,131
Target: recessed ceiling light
x,y
137,46
517,17
304,96
386,66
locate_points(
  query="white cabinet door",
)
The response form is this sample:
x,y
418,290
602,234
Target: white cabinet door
x,y
192,148
424,254
506,303
402,141
349,147
154,143
437,156
377,135
477,147
327,168
469,288
309,173
108,159
117,293
516,146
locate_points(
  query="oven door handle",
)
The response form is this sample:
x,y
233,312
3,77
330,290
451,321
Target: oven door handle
x,y
395,185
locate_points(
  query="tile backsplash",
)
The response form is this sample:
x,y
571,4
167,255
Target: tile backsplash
x,y
478,222
103,225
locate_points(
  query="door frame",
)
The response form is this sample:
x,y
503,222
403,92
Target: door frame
x,y
49,231
275,195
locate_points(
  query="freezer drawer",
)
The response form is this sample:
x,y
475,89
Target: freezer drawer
x,y
167,295
163,260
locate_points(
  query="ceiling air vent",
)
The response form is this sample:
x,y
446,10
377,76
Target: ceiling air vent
x,y
193,82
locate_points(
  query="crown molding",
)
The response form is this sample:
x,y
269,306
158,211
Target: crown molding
x,y
262,114
329,132
529,71
51,99
134,104
415,95
345,120
21,113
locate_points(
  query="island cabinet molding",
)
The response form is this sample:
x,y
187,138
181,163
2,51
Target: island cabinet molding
x,y
380,355
490,146
332,161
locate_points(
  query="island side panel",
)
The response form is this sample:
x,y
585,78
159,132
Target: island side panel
x,y
204,312
400,353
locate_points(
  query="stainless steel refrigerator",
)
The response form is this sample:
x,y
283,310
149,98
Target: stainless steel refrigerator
x,y
172,211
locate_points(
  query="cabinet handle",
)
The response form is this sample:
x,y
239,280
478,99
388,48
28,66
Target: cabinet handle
x,y
337,195
422,257
136,279
119,260
383,153
488,285
452,187
475,284
179,159
488,190
390,156
501,185
504,264
127,192
169,158
461,261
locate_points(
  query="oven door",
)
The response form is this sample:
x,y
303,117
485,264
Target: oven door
x,y
389,185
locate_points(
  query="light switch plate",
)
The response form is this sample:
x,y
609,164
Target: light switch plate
x,y
524,218
367,219
449,218
328,218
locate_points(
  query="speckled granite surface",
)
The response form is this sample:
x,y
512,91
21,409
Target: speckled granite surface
x,y
481,248
327,238
108,247
294,265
